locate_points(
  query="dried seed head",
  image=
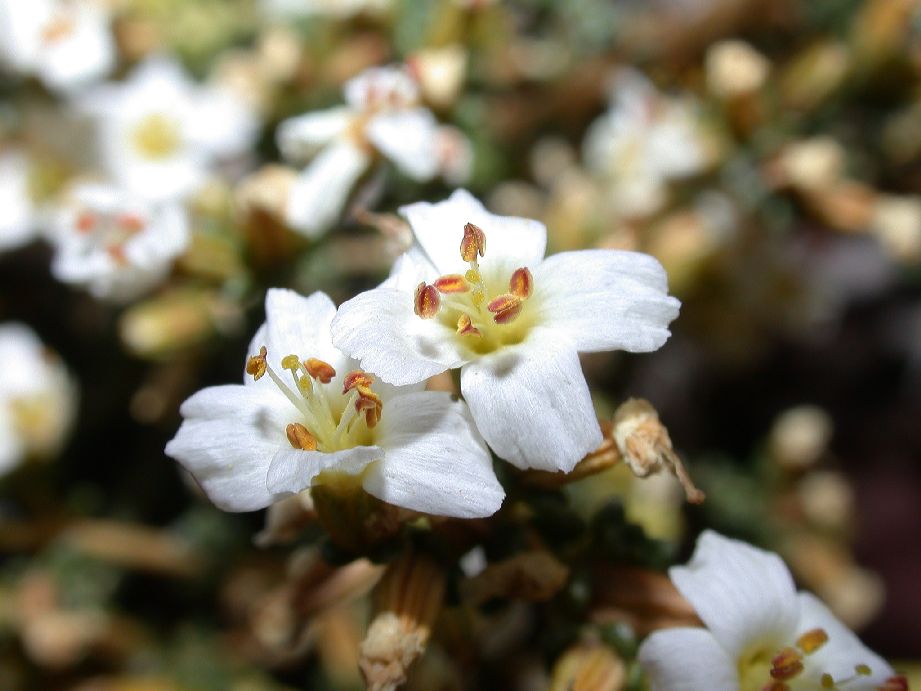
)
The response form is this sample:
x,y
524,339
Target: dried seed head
x,y
300,437
473,243
426,302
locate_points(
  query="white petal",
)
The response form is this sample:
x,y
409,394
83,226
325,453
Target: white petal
x,y
390,86
317,197
294,470
221,123
439,228
606,299
379,329
435,461
409,139
531,403
743,594
843,651
299,325
299,138
227,441
687,659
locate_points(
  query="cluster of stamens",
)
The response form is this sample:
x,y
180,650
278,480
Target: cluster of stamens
x,y
325,430
502,309
110,231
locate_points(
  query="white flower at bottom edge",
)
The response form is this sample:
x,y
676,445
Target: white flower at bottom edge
x,y
761,634
38,398
477,293
308,416
115,244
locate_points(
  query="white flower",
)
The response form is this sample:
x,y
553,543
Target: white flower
x,y
37,397
382,115
340,9
307,416
159,133
643,141
17,222
761,634
513,321
117,245
65,43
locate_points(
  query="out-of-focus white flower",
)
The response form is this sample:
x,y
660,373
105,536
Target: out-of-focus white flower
x,y
37,397
159,133
114,243
17,222
513,321
307,416
65,43
644,140
761,634
382,116
340,9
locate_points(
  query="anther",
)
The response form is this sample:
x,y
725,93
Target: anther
x,y
863,670
358,379
452,283
465,326
473,276
427,302
897,683
256,364
319,370
506,308
130,222
827,681
370,404
86,221
812,640
473,243
786,664
291,362
521,283
300,437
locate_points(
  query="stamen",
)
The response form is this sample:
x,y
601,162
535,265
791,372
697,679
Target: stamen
x,y
506,308
300,437
473,243
370,404
786,664
465,326
473,275
827,681
256,364
57,29
358,379
452,283
426,301
319,370
117,252
131,223
86,221
812,640
291,362
897,683
863,670
521,283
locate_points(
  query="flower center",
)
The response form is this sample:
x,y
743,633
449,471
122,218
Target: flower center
x,y
57,29
109,231
481,312
789,668
328,420
156,136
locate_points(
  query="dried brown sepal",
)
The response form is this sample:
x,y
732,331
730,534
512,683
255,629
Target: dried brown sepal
x,y
588,667
644,443
607,455
532,576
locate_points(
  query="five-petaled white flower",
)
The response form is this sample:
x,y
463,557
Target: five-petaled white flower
x,y
37,397
65,43
382,115
513,321
643,141
114,243
160,133
761,634
306,415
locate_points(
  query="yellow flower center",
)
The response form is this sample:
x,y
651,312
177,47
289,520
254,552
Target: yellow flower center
x,y
156,137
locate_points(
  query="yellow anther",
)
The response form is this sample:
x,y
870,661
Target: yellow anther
x,y
478,298
787,664
473,276
465,326
505,308
452,283
256,364
827,681
358,379
863,670
521,283
291,362
473,243
319,370
426,301
300,437
812,640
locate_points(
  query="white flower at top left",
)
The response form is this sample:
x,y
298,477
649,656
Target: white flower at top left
x,y
307,416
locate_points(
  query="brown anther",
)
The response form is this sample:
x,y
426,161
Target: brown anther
x,y
506,308
86,221
465,326
473,243
300,437
452,283
319,370
357,379
426,301
130,222
812,640
521,283
787,664
897,683
370,404
117,252
256,364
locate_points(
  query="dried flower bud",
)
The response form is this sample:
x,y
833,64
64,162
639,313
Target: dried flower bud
x,y
735,68
534,576
800,437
